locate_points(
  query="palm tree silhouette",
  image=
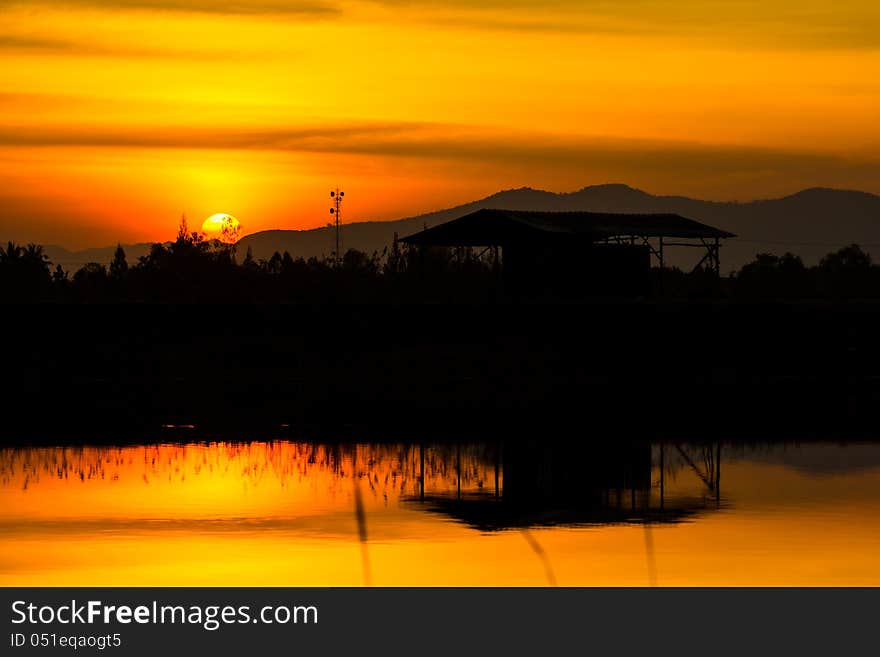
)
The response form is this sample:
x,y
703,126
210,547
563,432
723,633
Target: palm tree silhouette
x,y
11,253
34,254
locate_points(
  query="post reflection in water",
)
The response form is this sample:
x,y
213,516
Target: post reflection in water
x,y
518,513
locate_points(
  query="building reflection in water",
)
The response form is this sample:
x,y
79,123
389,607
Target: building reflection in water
x,y
562,484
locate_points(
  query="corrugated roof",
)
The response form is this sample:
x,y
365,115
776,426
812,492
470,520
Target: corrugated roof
x,y
489,227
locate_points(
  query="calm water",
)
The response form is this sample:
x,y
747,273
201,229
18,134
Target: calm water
x,y
290,513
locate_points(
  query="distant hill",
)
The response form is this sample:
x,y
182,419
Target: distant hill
x,y
71,261
810,223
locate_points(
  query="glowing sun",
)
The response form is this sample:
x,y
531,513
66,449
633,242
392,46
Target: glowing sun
x,y
223,227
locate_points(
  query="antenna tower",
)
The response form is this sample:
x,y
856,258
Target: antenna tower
x,y
336,211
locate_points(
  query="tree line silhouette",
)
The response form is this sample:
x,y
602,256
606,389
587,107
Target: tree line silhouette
x,y
847,273
193,269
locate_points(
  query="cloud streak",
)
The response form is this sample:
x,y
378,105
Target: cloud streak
x,y
849,24
446,142
31,45
321,138
304,8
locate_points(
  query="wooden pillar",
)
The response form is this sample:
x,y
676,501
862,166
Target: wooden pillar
x,y
717,257
496,268
662,477
458,467
422,472
497,468
662,266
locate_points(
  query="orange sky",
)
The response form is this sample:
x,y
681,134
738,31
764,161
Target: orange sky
x,y
117,115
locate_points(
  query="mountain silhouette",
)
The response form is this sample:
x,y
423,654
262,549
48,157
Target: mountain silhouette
x,y
810,223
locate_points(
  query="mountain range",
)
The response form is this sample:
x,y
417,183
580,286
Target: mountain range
x,y
809,223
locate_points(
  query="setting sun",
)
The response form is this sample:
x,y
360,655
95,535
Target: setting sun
x,y
223,227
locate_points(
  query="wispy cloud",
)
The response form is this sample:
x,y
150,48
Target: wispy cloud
x,y
30,43
35,45
321,138
815,24
313,8
445,142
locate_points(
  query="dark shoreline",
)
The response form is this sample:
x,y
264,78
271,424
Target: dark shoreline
x,y
698,370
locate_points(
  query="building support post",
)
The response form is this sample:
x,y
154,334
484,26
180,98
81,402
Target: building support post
x,y
662,289
422,472
662,477
717,257
496,266
497,468
458,469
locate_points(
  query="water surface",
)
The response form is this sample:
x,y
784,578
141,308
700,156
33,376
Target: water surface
x,y
298,513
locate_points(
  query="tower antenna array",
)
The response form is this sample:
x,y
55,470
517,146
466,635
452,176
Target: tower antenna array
x,y
336,211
